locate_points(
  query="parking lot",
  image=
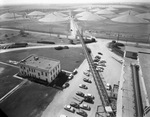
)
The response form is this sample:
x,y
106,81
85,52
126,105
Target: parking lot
x,y
68,95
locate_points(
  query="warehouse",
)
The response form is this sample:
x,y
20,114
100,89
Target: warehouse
x,y
39,67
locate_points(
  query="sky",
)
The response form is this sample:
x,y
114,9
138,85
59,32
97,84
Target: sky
x,y
7,2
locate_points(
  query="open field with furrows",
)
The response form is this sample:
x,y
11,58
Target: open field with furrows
x,y
103,29
7,81
8,36
35,25
69,58
28,101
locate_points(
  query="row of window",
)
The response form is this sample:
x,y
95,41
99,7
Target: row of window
x,y
28,70
34,76
53,73
43,73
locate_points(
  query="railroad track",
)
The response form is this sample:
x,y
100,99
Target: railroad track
x,y
97,78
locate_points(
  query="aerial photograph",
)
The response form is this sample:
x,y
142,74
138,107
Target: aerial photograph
x,y
69,58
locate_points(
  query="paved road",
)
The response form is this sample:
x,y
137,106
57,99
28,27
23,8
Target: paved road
x,y
36,47
9,64
33,32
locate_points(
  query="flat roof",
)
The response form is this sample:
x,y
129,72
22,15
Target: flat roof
x,y
137,49
40,62
144,60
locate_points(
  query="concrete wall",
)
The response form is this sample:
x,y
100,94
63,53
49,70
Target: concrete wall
x,y
49,76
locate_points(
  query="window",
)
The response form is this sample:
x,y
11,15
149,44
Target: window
x,y
38,74
42,73
45,73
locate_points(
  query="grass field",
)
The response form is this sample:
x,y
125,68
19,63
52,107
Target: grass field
x,y
69,58
29,101
13,36
32,98
7,81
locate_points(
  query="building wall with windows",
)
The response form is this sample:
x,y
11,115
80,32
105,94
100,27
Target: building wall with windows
x,y
39,67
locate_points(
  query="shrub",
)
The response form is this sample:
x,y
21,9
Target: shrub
x,y
6,35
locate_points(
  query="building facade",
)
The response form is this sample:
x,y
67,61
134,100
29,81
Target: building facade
x,y
39,67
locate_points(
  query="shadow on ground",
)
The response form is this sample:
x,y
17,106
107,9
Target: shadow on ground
x,y
56,83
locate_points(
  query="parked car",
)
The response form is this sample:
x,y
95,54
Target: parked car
x,y
96,60
95,63
89,100
87,80
82,113
63,115
102,61
74,104
75,72
88,70
89,96
99,69
108,86
98,57
85,106
102,64
79,93
85,73
69,108
65,85
66,47
100,53
83,86
70,76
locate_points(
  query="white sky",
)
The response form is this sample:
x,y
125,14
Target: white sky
x,y
5,2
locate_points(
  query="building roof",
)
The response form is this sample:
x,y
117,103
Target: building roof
x,y
53,17
40,62
129,19
125,101
9,15
105,12
95,9
145,68
36,13
79,9
144,15
91,17
131,12
111,8
83,13
60,14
